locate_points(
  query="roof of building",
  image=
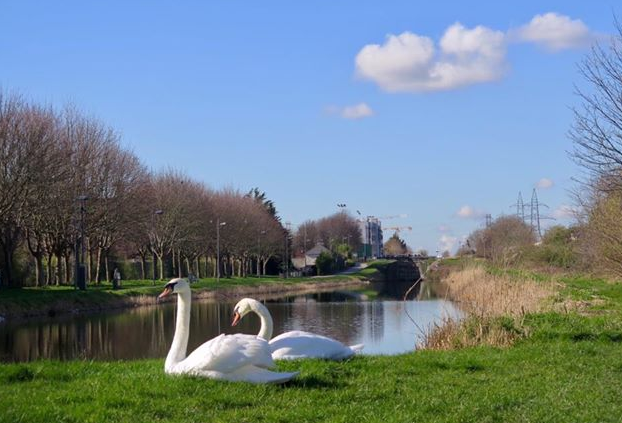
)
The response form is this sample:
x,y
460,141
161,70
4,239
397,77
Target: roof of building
x,y
317,250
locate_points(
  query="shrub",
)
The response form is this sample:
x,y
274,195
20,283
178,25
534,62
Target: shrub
x,y
324,263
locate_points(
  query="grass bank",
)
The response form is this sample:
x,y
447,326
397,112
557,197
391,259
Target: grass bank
x,y
566,367
553,380
48,301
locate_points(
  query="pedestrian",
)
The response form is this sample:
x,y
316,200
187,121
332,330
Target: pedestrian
x,y
116,279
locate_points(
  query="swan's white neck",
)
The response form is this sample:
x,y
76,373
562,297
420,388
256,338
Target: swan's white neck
x,y
177,353
267,326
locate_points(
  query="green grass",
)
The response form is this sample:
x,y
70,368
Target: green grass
x,y
566,382
374,269
568,370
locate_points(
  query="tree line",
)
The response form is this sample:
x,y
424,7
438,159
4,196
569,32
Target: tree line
x,y
64,174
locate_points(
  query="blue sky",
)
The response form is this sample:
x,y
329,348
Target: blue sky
x,y
442,111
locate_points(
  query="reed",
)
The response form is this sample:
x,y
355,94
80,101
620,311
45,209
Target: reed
x,y
494,304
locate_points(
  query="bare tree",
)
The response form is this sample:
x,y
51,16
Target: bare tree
x,y
336,229
504,241
597,129
26,157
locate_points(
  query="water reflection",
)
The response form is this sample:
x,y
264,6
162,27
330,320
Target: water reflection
x,y
381,323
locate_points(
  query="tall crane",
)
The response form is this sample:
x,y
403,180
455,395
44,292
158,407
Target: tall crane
x,y
403,215
397,229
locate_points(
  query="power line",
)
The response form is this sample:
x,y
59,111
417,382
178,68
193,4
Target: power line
x,y
520,207
535,216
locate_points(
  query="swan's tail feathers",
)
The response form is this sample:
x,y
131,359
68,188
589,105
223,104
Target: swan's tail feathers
x,y
254,374
357,348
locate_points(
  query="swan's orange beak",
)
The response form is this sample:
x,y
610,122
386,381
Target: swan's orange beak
x,y
167,291
236,318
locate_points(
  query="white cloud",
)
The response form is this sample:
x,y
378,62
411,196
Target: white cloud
x,y
447,243
411,63
565,212
468,212
544,183
555,32
357,111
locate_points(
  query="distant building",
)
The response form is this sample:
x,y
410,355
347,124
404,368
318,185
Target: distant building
x,y
308,259
372,246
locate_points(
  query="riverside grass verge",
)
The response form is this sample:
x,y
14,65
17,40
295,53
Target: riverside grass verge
x,y
52,300
568,368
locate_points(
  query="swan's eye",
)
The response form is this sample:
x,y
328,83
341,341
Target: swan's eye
x,y
171,285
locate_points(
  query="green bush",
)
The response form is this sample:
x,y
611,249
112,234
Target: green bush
x,y
325,263
557,248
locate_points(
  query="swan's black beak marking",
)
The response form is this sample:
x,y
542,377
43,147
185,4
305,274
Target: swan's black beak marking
x,y
168,290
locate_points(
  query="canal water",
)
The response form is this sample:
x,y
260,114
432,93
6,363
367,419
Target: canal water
x,y
374,315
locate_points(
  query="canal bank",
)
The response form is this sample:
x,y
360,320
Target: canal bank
x,y
54,301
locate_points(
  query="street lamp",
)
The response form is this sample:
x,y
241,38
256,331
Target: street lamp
x,y
218,225
156,213
288,226
80,280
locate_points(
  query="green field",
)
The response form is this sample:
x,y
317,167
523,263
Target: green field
x,y
568,370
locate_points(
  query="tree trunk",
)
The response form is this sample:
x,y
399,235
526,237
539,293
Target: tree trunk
x,y
161,265
143,264
48,277
5,275
59,265
106,267
7,272
174,261
98,257
88,260
66,259
39,270
9,244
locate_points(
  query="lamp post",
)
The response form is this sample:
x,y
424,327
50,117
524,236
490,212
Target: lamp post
x,y
156,213
218,225
287,229
80,280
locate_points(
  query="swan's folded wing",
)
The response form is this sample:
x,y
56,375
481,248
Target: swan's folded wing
x,y
227,353
299,344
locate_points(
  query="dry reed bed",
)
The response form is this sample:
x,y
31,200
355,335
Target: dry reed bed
x,y
494,305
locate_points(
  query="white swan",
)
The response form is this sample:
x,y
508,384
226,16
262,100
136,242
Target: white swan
x,y
227,357
294,344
